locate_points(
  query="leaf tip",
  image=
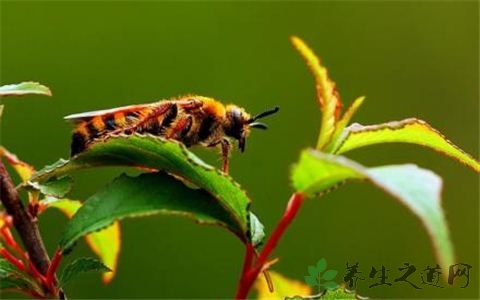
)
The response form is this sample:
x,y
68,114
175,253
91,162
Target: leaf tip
x,y
295,40
107,277
41,89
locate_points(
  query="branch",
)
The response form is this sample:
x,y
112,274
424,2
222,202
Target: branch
x,y
250,272
25,224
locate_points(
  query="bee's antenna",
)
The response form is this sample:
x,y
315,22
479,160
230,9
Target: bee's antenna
x,y
258,125
264,114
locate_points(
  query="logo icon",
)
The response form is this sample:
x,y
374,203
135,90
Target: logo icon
x,y
316,277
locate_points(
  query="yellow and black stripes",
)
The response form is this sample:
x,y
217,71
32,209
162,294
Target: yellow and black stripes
x,y
207,127
159,120
190,119
145,120
97,127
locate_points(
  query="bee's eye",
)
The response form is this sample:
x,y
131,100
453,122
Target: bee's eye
x,y
236,123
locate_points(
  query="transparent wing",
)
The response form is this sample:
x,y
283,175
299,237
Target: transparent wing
x,y
90,114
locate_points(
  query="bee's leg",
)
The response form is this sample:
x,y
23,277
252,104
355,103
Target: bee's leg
x,y
225,153
180,130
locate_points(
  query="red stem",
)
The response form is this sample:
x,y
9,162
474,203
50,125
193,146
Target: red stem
x,y
10,242
251,272
51,280
12,259
36,274
247,264
25,225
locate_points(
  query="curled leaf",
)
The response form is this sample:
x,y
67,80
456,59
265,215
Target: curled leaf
x,y
24,88
81,265
412,131
257,233
146,194
156,153
54,188
24,170
418,189
343,122
327,94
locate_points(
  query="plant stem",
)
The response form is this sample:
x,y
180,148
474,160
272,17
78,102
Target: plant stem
x,y
247,265
57,258
12,259
25,225
250,272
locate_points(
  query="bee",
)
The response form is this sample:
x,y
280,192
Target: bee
x,y
192,120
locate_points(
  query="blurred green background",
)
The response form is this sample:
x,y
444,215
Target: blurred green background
x,y
411,59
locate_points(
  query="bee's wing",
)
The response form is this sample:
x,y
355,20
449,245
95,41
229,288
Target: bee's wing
x,y
80,117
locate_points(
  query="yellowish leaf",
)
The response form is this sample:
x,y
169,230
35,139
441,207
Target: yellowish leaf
x,y
283,287
327,95
105,243
343,122
24,170
412,131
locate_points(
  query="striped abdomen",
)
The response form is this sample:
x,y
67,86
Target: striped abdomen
x,y
188,121
154,120
95,127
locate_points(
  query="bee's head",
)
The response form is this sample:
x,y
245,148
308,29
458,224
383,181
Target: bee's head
x,y
239,123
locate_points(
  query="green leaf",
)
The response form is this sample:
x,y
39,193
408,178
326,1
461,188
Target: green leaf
x,y
257,233
81,265
11,278
343,122
329,275
327,95
330,286
321,265
418,189
147,194
24,88
105,243
314,175
157,153
14,282
411,131
7,268
311,280
54,188
341,293
312,271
